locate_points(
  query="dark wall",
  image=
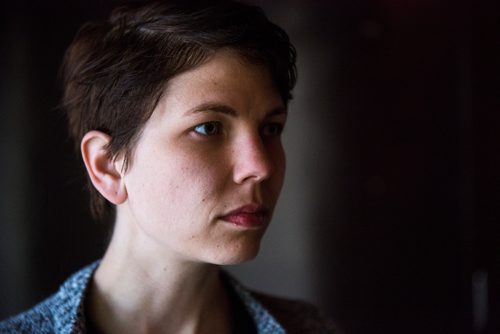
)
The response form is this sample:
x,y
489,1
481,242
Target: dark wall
x,y
414,233
406,179
46,231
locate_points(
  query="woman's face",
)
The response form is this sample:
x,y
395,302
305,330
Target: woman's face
x,y
209,165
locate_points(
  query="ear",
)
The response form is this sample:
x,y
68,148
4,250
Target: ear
x,y
104,172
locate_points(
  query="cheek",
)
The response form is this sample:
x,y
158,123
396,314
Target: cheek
x,y
200,182
282,170
278,158
179,184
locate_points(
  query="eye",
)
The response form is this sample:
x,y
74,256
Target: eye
x,y
208,128
272,129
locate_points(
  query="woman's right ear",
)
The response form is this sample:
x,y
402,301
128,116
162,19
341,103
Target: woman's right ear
x,y
102,170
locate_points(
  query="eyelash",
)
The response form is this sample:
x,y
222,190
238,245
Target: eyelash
x,y
273,129
217,127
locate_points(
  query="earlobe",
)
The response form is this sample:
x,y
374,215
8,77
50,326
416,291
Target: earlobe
x,y
104,173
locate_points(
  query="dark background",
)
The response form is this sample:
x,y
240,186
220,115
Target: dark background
x,y
401,100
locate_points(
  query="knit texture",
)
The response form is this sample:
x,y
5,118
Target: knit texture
x,y
63,312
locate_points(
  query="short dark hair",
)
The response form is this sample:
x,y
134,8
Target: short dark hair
x,y
115,71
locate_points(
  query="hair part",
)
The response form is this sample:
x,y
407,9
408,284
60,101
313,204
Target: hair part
x,y
115,71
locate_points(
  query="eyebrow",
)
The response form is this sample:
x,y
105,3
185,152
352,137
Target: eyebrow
x,y
225,109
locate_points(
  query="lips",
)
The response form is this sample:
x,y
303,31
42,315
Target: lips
x,y
250,216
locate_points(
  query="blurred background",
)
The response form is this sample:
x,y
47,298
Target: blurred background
x,y
389,217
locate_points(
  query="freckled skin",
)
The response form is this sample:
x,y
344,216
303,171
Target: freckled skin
x,y
180,182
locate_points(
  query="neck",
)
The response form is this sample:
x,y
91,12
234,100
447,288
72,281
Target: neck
x,y
132,292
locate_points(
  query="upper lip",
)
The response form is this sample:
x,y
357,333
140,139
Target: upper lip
x,y
252,208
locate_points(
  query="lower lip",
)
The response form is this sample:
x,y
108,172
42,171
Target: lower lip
x,y
249,220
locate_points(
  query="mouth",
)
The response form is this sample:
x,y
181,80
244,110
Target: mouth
x,y
249,216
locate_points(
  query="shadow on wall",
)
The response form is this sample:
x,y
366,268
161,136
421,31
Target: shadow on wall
x,y
387,218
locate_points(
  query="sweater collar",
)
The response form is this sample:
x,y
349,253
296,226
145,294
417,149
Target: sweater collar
x,y
69,313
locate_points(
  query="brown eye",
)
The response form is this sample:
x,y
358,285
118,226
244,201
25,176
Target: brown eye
x,y
272,129
208,128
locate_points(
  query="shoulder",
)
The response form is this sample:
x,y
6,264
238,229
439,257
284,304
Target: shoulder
x,y
296,316
38,320
281,315
60,313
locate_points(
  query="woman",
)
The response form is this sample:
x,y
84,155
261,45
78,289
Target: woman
x,y
177,108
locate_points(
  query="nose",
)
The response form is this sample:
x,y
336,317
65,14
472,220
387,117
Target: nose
x,y
252,160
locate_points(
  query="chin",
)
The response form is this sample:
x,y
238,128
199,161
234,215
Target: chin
x,y
235,253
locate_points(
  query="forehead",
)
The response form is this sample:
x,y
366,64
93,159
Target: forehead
x,y
225,77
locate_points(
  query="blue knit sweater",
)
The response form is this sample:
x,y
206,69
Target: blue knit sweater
x,y
63,312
